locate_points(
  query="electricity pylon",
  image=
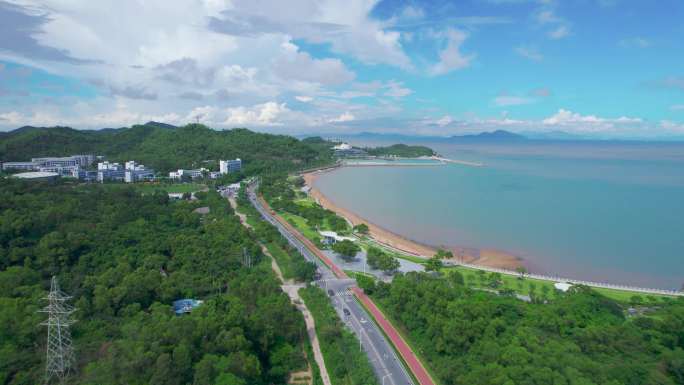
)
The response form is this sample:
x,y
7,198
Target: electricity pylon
x,y
60,354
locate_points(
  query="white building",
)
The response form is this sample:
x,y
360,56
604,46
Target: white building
x,y
330,237
19,166
106,165
134,172
342,147
228,166
192,174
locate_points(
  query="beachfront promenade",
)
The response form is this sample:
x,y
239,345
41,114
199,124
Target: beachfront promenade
x,y
396,373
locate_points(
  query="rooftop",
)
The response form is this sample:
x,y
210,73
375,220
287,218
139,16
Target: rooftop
x,y
36,175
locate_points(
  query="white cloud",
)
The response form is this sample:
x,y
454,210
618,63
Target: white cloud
x,y
528,52
508,100
345,117
672,127
293,64
397,90
566,117
444,121
560,32
451,58
304,99
265,114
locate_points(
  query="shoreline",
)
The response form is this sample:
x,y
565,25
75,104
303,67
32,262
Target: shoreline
x,y
485,257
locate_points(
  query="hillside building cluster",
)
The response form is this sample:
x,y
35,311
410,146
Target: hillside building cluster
x,y
225,167
78,166
74,166
130,172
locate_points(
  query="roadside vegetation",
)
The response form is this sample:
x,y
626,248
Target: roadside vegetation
x,y
346,363
292,264
474,337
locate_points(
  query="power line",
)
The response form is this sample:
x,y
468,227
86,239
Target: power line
x,y
59,352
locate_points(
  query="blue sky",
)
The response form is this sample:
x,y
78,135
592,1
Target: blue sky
x,y
598,68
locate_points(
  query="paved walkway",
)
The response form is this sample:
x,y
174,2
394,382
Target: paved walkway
x,y
292,290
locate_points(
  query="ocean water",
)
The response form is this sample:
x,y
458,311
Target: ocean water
x,y
602,211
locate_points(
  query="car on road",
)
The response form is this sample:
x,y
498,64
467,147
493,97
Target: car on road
x,y
331,293
346,312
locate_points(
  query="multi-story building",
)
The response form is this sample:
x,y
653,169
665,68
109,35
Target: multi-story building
x,y
192,174
64,166
110,171
227,166
66,161
135,172
27,166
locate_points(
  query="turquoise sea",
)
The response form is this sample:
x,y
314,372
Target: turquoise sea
x,y
602,211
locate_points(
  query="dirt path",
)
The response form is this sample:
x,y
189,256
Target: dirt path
x,y
292,291
243,217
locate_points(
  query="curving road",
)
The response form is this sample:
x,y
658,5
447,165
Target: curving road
x,y
346,296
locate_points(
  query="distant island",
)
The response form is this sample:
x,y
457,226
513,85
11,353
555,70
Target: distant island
x,y
401,150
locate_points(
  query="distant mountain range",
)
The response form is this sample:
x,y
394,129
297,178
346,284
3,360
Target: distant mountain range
x,y
490,136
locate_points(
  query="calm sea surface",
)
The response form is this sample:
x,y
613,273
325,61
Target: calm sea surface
x,y
605,211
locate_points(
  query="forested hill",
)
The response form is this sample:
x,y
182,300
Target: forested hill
x,y
401,150
165,147
125,257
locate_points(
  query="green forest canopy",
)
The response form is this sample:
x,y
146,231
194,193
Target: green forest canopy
x,y
473,337
125,257
401,150
166,149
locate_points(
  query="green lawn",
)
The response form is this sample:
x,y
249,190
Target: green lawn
x,y
366,242
301,225
282,258
524,286
170,188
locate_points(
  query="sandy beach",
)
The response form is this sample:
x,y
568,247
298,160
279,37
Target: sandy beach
x,y
484,257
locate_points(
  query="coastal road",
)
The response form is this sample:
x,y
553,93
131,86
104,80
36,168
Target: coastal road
x,y
387,366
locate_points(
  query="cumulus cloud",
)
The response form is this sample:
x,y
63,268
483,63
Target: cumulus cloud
x,y
444,121
566,117
265,114
451,58
345,117
304,99
346,26
296,65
